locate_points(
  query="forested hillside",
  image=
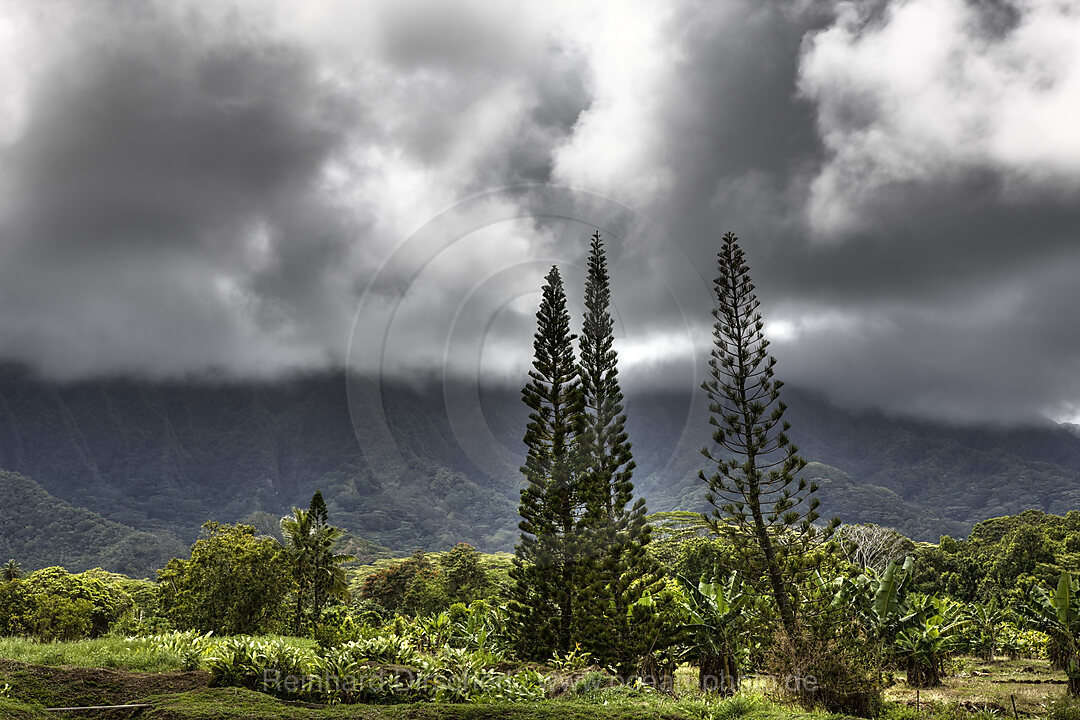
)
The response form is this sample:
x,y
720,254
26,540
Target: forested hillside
x,y
164,457
42,530
168,456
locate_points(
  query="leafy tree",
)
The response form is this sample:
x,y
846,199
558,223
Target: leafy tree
x,y
758,501
615,568
1024,548
12,609
234,583
12,571
463,577
1003,558
705,557
409,587
545,564
53,604
316,568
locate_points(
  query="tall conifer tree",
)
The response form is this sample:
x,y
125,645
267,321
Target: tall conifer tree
x,y
616,571
760,502
545,571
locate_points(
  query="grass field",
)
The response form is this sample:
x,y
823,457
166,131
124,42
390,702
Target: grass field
x,y
1032,684
112,671
107,652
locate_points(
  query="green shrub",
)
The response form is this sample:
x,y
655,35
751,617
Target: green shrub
x,y
53,604
336,626
1064,708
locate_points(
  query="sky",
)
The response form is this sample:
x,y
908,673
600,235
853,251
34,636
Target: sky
x,y
251,189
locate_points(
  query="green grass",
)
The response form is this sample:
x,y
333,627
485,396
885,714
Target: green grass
x,y
237,704
117,653
107,652
114,670
15,710
1033,684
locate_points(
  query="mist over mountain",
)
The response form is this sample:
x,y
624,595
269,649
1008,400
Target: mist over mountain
x,y
163,457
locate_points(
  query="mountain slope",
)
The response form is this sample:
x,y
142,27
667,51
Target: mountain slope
x,y
38,530
166,456
169,456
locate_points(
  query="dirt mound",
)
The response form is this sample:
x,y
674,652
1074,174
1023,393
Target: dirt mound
x,y
75,686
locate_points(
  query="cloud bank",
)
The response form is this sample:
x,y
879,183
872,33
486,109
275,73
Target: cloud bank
x,y
193,188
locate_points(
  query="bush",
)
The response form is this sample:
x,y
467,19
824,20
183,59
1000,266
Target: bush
x,y
53,604
1064,708
381,669
336,626
825,671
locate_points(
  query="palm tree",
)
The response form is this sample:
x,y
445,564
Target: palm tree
x,y
297,532
328,577
309,542
12,570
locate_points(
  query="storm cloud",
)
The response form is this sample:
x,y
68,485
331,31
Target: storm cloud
x,y
251,189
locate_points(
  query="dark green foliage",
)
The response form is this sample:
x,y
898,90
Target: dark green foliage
x,y
1003,558
711,558
463,577
419,586
316,568
615,569
53,604
409,587
234,583
545,570
760,504
42,530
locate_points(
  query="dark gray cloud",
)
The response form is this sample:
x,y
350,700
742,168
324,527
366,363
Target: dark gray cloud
x,y
187,187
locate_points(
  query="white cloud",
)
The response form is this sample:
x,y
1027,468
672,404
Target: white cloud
x,y
617,147
929,93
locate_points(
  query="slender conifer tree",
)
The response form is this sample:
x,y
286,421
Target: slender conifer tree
x,y
759,500
615,569
545,571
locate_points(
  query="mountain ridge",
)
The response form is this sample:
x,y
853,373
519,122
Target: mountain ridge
x,y
164,456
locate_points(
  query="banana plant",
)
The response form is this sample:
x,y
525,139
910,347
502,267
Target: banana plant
x,y
924,647
987,620
889,597
716,620
1058,615
890,609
